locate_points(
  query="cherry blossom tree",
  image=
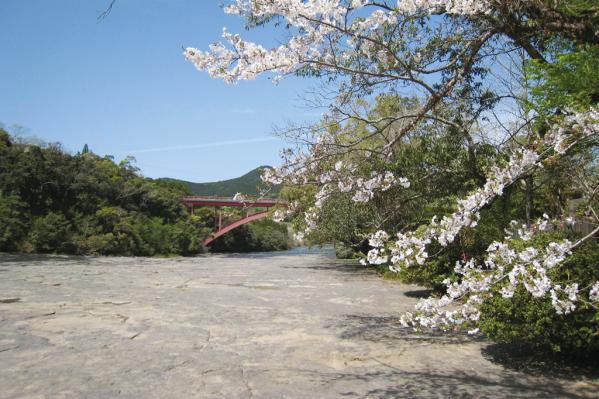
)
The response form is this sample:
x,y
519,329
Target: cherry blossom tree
x,y
447,56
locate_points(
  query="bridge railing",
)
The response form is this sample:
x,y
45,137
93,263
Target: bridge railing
x,y
231,201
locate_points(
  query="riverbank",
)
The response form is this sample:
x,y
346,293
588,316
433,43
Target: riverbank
x,y
296,324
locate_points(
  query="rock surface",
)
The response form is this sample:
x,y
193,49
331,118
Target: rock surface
x,y
263,326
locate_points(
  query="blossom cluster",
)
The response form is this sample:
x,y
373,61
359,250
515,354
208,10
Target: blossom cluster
x,y
410,248
317,23
364,189
594,292
341,178
280,214
461,7
504,269
239,197
467,214
575,127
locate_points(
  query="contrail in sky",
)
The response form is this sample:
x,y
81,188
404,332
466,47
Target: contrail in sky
x,y
203,145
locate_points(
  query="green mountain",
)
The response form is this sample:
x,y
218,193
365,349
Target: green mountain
x,y
246,184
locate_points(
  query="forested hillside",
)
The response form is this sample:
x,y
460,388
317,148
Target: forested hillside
x,y
55,202
51,201
247,184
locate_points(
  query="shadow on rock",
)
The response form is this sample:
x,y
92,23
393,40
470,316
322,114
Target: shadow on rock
x,y
388,328
528,377
527,360
461,384
418,294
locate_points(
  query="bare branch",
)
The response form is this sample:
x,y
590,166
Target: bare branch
x,y
107,11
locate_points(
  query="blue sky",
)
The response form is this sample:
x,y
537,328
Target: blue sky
x,y
123,87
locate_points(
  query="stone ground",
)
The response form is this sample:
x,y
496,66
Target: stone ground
x,y
264,326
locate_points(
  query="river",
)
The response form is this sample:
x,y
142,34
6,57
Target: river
x,y
295,324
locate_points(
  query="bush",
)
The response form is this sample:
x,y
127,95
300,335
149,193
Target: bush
x,y
51,233
533,322
102,244
13,222
156,235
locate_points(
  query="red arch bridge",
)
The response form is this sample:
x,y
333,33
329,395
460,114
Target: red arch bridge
x,y
218,202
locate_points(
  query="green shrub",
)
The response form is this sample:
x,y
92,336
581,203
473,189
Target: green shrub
x,y
51,233
102,244
13,222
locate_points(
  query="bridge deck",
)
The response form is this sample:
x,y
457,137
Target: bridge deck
x,y
230,201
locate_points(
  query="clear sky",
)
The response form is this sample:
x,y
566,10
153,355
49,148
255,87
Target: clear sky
x,y
123,87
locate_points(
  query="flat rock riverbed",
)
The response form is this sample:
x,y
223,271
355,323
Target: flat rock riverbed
x,y
285,325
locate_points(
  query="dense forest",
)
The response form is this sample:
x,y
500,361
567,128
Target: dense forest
x,y
55,202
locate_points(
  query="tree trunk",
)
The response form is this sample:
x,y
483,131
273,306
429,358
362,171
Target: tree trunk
x,y
528,190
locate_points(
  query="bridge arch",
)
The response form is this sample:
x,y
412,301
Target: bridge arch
x,y
225,229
